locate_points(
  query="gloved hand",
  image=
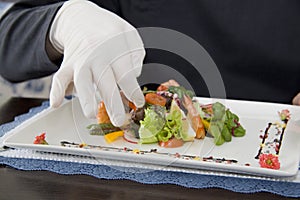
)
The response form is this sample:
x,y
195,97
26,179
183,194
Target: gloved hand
x,y
102,53
296,99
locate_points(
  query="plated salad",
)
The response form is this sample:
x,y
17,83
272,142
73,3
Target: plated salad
x,y
220,122
170,118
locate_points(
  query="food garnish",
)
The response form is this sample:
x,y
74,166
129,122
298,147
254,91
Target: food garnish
x,y
269,161
111,137
271,143
40,139
155,99
284,115
220,122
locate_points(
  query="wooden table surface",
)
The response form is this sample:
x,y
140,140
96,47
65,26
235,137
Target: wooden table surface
x,y
18,184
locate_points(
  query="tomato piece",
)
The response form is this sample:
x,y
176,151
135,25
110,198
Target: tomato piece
x,y
155,99
40,139
172,143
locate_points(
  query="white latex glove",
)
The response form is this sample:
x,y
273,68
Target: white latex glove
x,y
100,49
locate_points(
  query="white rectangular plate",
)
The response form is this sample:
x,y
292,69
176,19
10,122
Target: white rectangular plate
x,y
67,123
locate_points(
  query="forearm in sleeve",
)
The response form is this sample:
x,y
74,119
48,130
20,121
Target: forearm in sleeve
x,y
23,36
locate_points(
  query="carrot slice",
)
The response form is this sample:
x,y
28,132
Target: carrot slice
x,y
102,115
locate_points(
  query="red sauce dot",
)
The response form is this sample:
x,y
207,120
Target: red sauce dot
x,y
177,155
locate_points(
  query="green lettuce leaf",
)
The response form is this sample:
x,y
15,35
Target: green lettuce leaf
x,y
181,91
175,126
152,124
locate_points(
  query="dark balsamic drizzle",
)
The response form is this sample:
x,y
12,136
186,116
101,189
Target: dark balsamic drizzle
x,y
125,149
266,133
280,140
263,140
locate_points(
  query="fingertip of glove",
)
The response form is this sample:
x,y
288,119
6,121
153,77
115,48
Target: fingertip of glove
x,y
53,105
140,102
138,98
54,102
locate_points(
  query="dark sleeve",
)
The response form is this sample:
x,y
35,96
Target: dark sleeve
x,y
23,36
23,32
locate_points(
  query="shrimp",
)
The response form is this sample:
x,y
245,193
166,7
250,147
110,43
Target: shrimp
x,y
194,118
164,86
